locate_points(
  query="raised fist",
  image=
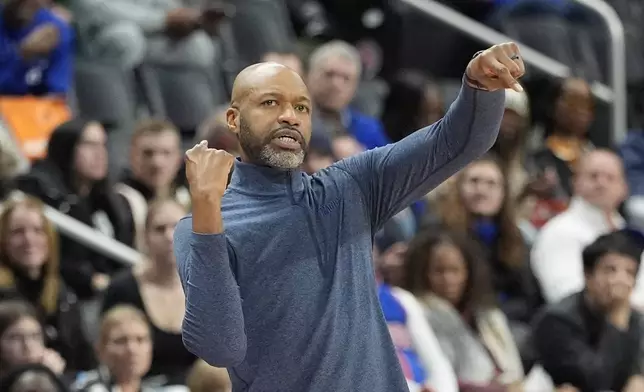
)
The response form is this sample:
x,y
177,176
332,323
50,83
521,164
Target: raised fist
x,y
207,170
496,68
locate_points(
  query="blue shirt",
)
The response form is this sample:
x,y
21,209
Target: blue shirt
x,y
49,75
286,298
396,318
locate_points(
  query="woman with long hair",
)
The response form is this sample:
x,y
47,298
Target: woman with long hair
x,y
73,179
155,289
454,286
478,205
30,270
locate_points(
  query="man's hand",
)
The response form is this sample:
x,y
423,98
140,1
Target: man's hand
x,y
207,170
180,22
40,42
496,68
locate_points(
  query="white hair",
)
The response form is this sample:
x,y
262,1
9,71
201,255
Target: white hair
x,y
335,48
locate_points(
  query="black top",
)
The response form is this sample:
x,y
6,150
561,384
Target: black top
x,y
170,357
580,347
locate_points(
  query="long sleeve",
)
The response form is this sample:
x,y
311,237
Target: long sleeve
x,y
394,176
213,325
567,358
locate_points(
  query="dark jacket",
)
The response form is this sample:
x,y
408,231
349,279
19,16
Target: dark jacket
x,y
580,347
50,181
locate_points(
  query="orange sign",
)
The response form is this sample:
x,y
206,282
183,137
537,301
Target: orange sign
x,y
32,120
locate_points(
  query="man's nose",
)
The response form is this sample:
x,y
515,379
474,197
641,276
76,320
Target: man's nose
x,y
289,116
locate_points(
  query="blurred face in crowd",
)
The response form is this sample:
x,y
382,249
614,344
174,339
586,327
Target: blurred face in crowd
x,y
346,146
27,243
160,229
482,188
512,125
333,82
19,12
287,59
315,162
90,159
22,343
433,107
612,280
447,273
600,180
574,109
156,158
127,350
271,114
391,264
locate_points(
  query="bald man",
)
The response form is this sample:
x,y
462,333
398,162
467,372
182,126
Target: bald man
x,y
285,295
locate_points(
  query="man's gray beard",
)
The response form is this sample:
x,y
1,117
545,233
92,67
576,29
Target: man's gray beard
x,y
286,160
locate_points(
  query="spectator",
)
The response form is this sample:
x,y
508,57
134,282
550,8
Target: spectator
x,y
592,339
345,146
155,160
566,142
164,32
22,340
421,358
510,145
206,378
391,243
444,272
320,153
216,132
125,352
287,58
29,270
556,260
477,206
156,291
36,50
334,73
414,101
73,179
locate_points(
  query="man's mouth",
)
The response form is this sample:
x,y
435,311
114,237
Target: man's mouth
x,y
288,139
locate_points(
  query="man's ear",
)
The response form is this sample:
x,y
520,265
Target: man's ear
x,y
232,119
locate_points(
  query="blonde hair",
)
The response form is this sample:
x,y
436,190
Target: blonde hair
x,y
118,315
206,378
159,205
52,280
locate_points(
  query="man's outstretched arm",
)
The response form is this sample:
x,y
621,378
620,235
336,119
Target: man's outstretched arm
x,y
394,176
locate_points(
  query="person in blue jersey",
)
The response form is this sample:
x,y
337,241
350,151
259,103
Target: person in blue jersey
x,y
285,296
36,50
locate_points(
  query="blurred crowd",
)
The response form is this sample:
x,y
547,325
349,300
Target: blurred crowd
x,y
520,273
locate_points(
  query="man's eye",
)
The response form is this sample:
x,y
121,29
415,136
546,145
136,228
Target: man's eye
x,y
302,108
270,102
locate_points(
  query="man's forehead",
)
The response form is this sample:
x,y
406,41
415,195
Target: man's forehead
x,y
264,78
